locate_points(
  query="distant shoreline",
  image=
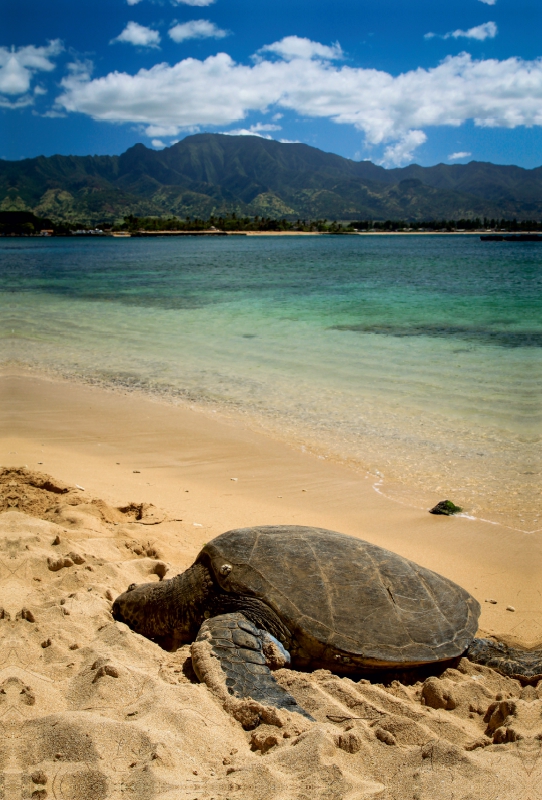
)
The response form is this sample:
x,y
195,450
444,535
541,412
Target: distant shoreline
x,y
362,233
173,234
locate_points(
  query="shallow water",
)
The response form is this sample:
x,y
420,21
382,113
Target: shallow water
x,y
416,357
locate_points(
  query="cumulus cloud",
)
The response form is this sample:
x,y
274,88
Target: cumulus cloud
x,y
138,35
196,29
393,110
296,47
489,2
17,68
481,32
457,156
402,151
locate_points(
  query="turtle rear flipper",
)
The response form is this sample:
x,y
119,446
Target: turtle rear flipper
x,y
228,656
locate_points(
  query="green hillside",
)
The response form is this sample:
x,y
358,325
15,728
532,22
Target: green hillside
x,y
213,174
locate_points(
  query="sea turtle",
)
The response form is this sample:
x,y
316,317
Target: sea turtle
x,y
306,597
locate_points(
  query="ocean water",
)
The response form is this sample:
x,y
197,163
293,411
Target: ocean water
x,y
418,358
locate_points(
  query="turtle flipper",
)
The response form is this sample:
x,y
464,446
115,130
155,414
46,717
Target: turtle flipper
x,y
228,656
510,661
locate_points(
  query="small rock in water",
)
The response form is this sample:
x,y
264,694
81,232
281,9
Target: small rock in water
x,y
510,608
445,508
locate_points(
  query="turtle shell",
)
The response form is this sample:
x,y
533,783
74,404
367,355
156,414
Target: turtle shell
x,y
339,594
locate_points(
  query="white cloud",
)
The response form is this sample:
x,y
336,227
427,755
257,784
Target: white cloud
x,y
295,47
489,2
138,35
18,66
402,151
245,132
133,2
51,114
457,156
481,32
393,110
158,143
255,130
161,130
21,102
196,29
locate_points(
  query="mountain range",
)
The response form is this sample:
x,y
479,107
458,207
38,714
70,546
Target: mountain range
x,y
208,174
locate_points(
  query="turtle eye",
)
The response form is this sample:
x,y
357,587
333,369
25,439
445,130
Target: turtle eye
x,y
131,587
225,569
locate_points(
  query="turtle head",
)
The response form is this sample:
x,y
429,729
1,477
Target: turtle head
x,y
136,607
169,612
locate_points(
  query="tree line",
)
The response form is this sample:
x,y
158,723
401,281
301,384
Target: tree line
x,y
25,223
233,222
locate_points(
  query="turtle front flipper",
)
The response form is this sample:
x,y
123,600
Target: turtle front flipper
x,y
513,662
228,656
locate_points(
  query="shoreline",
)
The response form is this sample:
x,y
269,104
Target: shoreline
x,y
215,473
420,489
157,234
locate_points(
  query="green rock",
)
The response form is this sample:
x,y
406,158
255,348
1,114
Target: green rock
x,y
446,508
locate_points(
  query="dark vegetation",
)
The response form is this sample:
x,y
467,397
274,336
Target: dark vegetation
x,y
24,223
231,223
451,225
234,222
213,176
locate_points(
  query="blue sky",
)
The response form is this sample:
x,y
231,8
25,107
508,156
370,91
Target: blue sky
x,y
393,81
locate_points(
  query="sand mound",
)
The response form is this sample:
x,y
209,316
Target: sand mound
x,y
91,710
42,496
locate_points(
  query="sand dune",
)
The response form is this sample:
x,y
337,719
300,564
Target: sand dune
x,y
91,710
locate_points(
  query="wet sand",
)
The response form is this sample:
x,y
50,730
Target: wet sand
x,y
106,713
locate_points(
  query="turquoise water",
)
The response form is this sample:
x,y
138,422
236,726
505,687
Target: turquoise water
x,y
418,358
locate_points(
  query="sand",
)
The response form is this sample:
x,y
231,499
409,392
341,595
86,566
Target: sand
x,y
93,710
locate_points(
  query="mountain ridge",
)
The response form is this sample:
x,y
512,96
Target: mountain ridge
x,y
207,174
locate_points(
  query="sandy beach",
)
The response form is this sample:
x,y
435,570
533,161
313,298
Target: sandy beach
x,y
95,710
